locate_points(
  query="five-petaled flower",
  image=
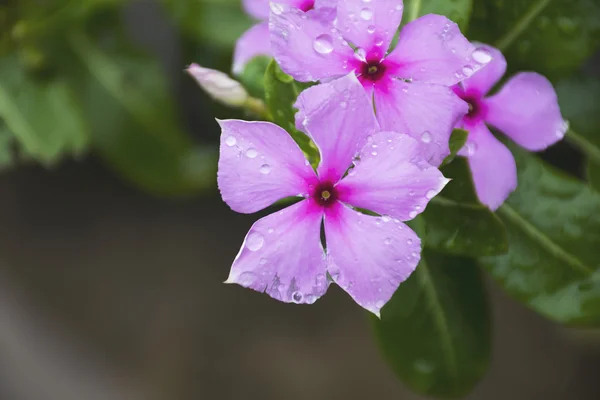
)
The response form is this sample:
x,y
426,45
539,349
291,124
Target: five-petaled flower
x,y
410,85
361,166
525,109
255,41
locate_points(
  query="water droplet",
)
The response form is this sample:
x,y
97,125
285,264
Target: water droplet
x,y
323,44
263,261
467,71
371,29
297,297
412,214
251,153
270,230
426,137
230,141
481,56
471,148
430,194
255,241
366,13
374,153
380,304
265,169
411,193
343,105
276,8
414,255
562,130
387,241
386,218
361,53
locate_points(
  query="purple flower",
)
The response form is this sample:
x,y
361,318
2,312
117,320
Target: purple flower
x,y
525,109
255,41
368,256
410,85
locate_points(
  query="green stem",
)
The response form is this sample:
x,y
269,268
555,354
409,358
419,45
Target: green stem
x,y
523,23
415,9
583,144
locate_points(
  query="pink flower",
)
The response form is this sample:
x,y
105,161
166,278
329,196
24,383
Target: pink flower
x,y
525,109
410,85
255,41
368,256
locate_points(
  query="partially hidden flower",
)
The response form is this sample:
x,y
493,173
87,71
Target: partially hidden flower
x,y
525,109
410,85
219,86
367,256
255,41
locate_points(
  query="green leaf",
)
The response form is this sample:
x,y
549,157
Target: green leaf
x,y
553,224
457,141
435,331
458,11
253,77
593,175
43,117
463,229
134,124
281,92
553,37
579,99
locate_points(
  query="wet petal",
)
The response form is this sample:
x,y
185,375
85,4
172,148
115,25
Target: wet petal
x,y
424,111
306,46
526,110
391,178
254,42
492,166
369,25
369,256
283,257
483,80
339,117
259,164
432,49
260,9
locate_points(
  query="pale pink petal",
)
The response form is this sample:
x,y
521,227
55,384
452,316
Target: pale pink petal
x,y
339,117
254,42
369,25
526,110
260,9
325,3
307,47
482,81
492,166
424,111
432,49
391,178
259,164
369,256
283,257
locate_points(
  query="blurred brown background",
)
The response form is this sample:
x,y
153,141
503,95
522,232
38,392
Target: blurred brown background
x,y
106,293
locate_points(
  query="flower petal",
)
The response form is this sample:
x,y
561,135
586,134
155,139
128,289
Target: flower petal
x,y
432,49
369,256
306,46
369,25
526,110
258,9
339,117
283,257
259,164
483,80
254,42
392,178
492,166
424,111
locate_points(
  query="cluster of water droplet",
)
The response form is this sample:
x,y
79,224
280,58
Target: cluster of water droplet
x,y
250,153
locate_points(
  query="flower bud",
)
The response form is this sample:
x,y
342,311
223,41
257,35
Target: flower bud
x,y
219,86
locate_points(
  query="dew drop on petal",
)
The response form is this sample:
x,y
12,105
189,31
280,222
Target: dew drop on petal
x,y
255,241
251,153
265,169
263,261
426,137
297,297
230,141
276,8
386,218
380,304
467,71
371,29
481,55
412,214
387,241
366,13
430,194
323,44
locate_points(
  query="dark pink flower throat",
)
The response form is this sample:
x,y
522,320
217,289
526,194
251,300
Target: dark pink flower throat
x,y
373,70
307,5
325,194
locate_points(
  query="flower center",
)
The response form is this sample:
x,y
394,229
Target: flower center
x,y
307,5
373,70
325,194
473,107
